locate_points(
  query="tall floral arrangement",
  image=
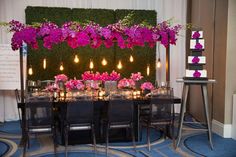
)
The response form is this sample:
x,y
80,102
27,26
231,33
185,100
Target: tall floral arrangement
x,y
77,35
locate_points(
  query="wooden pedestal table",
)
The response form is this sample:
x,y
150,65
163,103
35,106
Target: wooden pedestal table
x,y
203,84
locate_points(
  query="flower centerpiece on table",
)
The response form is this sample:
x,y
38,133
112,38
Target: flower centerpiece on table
x,y
92,85
114,76
52,88
147,87
92,81
74,85
61,80
136,76
87,75
126,84
104,76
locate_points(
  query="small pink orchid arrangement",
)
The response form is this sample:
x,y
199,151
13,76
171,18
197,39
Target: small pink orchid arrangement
x,y
52,88
97,76
147,86
114,76
126,83
92,85
136,76
104,76
87,75
60,78
74,85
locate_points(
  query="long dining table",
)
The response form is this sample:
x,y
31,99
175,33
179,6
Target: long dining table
x,y
100,110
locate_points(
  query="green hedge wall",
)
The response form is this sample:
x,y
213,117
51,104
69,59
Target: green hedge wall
x,y
63,53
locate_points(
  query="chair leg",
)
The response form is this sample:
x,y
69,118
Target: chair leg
x,y
173,133
148,137
25,145
107,139
28,140
101,129
54,136
173,126
141,132
94,139
133,137
66,140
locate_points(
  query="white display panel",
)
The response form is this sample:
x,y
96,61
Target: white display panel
x,y
190,73
10,68
202,59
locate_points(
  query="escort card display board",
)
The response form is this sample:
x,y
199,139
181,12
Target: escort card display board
x,y
10,68
63,53
196,60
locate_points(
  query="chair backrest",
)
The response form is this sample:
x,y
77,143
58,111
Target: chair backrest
x,y
161,105
80,111
120,110
39,112
17,95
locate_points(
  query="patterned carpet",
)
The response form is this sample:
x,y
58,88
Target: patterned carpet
x,y
194,143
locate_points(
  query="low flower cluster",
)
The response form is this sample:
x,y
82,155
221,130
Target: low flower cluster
x,y
92,85
52,88
126,83
77,35
74,85
92,81
136,76
60,78
147,86
113,76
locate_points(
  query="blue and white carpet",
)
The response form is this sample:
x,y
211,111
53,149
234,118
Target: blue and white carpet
x,y
194,143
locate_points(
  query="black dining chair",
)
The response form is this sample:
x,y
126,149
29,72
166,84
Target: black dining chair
x,y
161,115
39,119
79,116
119,115
19,107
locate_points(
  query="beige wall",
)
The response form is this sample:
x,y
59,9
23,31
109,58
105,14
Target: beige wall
x,y
231,61
221,13
217,18
202,15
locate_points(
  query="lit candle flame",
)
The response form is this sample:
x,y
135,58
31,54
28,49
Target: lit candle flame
x,y
76,59
44,63
131,58
104,62
148,70
119,65
30,71
61,67
91,65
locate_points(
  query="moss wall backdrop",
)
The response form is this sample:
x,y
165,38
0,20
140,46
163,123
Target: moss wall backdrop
x,y
63,53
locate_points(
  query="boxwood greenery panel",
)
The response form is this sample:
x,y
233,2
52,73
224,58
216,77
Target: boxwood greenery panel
x,y
142,55
42,14
63,53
